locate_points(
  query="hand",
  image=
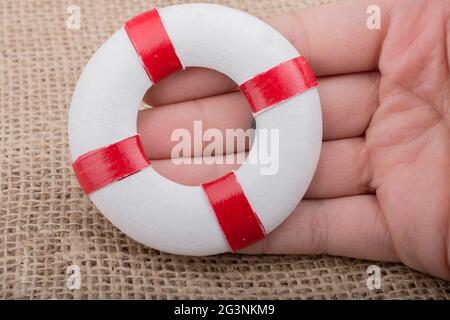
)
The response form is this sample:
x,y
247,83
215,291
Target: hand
x,y
382,187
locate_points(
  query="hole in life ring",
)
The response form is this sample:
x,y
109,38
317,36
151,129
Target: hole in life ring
x,y
198,128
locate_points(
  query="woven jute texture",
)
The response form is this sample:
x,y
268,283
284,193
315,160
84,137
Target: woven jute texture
x,y
47,224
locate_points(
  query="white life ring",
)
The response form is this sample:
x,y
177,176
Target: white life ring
x,y
150,208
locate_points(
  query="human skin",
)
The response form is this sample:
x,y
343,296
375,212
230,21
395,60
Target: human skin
x,y
382,187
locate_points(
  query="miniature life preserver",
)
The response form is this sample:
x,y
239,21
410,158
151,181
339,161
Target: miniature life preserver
x,y
223,215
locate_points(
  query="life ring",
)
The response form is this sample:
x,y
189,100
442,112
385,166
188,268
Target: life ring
x,y
218,216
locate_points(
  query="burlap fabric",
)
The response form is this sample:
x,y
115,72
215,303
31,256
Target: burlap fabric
x,y
47,224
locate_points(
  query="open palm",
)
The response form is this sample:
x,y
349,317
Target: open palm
x,y
382,187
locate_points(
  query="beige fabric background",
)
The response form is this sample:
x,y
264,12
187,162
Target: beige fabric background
x,y
47,224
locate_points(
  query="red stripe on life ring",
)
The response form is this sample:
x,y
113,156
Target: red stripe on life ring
x,y
103,166
240,224
278,84
152,43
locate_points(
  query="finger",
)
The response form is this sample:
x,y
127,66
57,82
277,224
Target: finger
x,y
189,84
156,125
342,170
351,226
348,103
334,38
